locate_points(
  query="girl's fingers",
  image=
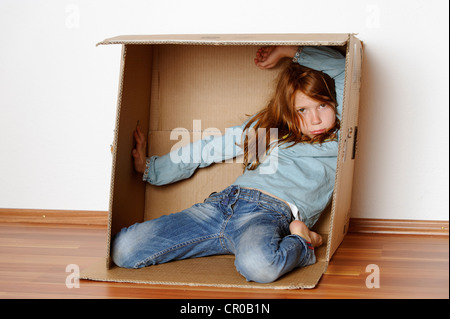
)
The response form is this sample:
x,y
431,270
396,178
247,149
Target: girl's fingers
x,y
136,137
139,136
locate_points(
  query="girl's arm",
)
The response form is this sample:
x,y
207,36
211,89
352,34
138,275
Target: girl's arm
x,y
320,58
139,151
329,61
182,162
323,59
268,57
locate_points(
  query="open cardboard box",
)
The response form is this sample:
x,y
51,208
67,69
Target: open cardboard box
x,y
167,82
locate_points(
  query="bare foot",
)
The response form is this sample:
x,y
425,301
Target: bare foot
x,y
299,228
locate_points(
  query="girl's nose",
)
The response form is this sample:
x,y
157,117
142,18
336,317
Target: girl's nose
x,y
315,118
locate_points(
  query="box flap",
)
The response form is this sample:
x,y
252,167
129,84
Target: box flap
x,y
337,39
213,271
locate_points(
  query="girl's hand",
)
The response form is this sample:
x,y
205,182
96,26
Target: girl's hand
x,y
139,151
268,57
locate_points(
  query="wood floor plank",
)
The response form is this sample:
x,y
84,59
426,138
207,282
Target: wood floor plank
x,y
33,260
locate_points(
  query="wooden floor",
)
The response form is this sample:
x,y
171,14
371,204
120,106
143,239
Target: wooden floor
x,y
33,261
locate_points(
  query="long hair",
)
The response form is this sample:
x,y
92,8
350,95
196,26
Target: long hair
x,y
280,113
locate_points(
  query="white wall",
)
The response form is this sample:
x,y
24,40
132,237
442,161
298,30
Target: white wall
x,y
58,93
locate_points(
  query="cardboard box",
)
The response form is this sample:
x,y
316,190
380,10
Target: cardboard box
x,y
167,82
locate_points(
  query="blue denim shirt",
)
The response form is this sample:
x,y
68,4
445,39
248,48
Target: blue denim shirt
x,y
302,175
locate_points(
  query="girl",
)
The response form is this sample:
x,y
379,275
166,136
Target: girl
x,y
264,217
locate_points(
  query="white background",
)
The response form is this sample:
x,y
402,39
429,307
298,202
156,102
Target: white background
x,y
58,93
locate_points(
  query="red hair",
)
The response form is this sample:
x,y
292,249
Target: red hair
x,y
280,113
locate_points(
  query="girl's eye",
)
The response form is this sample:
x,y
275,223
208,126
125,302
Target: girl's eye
x,y
323,105
301,110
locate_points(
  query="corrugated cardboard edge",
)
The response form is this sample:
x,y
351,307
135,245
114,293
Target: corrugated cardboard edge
x,y
332,39
114,155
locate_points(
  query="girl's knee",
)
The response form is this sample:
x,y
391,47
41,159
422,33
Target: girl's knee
x,y
130,247
120,254
124,250
257,267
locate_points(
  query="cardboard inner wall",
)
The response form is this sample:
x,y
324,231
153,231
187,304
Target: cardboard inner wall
x,y
216,86
169,85
127,191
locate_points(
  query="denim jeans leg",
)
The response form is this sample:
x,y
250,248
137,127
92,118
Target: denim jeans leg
x,y
193,232
263,255
264,248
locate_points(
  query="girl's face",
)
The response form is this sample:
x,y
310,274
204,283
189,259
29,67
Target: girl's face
x,y
316,117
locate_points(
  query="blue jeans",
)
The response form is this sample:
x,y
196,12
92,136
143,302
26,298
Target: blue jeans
x,y
247,223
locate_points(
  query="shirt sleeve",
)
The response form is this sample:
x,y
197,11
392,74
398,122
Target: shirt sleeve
x,y
181,163
329,61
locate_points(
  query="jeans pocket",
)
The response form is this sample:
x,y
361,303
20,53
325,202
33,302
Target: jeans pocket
x,y
213,197
279,211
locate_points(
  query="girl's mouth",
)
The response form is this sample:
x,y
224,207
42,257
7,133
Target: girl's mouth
x,y
317,132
